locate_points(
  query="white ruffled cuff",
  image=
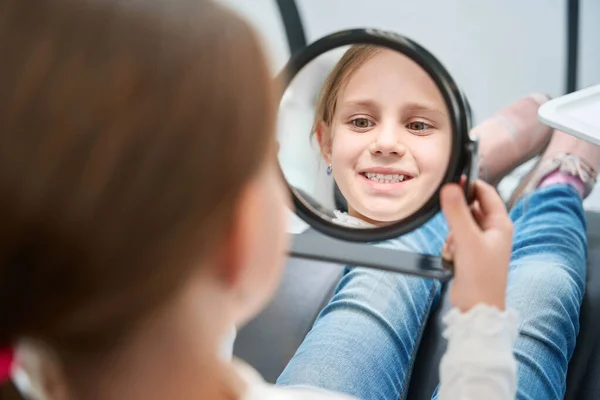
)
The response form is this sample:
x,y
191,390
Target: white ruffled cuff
x,y
481,321
479,361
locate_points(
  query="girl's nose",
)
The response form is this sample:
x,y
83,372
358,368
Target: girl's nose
x,y
388,143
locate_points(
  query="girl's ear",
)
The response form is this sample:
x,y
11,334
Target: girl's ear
x,y
232,251
44,375
323,133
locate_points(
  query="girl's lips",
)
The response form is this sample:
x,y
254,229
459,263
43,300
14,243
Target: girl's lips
x,y
386,171
384,187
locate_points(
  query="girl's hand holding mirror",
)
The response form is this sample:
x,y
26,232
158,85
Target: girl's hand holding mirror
x,y
479,245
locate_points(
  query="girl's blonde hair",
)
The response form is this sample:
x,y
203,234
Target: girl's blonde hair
x,y
350,62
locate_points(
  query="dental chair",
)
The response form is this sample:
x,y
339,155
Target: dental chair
x,y
270,340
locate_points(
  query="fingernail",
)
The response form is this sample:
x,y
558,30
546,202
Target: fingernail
x,y
452,192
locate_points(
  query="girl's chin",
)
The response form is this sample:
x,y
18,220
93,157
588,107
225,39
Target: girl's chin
x,y
380,217
387,209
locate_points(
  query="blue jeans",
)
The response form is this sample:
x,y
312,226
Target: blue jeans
x,y
365,340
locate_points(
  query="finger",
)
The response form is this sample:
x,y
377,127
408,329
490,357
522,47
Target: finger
x,y
493,210
488,198
478,214
448,251
446,254
469,187
449,247
450,238
457,213
450,242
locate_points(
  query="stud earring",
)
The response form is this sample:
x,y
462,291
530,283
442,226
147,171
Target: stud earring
x,y
329,169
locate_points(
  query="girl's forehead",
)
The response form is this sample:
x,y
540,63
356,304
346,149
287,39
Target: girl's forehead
x,y
390,77
392,69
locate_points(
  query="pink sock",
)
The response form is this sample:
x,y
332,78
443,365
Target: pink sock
x,y
562,177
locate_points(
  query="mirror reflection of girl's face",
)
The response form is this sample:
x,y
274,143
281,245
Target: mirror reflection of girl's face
x,y
391,138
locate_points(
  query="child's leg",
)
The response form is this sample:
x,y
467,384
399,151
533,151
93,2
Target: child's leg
x,y
365,340
547,277
511,137
546,285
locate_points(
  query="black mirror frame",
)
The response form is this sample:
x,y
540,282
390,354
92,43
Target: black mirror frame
x,y
464,151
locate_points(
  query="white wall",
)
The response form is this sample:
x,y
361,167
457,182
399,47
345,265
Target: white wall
x,y
589,57
497,50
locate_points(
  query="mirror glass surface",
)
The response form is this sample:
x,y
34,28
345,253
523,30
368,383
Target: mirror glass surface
x,y
365,136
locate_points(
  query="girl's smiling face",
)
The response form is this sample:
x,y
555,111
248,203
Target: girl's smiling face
x,y
389,139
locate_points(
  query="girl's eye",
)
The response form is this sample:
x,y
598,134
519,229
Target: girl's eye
x,y
418,126
361,123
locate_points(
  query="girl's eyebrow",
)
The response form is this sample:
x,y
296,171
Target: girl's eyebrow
x,y
360,103
426,108
410,107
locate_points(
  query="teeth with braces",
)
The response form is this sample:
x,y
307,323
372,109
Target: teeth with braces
x,y
383,178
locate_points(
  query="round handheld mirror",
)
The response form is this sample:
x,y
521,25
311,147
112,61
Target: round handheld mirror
x,y
370,127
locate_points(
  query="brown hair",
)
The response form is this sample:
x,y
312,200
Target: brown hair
x,y
351,61
127,131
